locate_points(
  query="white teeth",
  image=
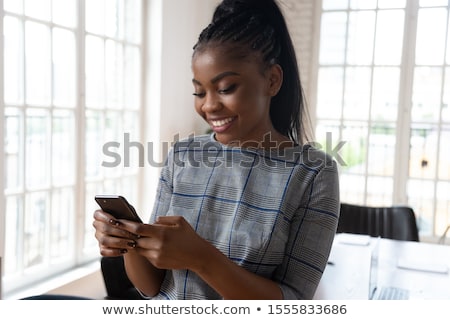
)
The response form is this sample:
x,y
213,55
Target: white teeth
x,y
219,123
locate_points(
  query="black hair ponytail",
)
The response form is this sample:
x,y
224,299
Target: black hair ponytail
x,y
259,25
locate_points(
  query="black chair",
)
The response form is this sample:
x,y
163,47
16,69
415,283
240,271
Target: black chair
x,y
397,222
117,284
55,297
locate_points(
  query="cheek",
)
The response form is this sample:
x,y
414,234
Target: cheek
x,y
198,108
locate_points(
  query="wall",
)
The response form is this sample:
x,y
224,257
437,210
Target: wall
x,y
173,28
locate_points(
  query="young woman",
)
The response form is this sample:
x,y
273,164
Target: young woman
x,y
250,211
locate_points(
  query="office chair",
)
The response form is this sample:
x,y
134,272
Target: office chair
x,y
117,284
397,222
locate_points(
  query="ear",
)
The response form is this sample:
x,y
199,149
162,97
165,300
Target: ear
x,y
275,76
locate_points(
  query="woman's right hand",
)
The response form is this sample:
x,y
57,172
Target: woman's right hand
x,y
113,241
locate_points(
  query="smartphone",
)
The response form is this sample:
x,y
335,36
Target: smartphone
x,y
117,206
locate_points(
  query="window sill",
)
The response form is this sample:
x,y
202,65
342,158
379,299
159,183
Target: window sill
x,y
85,281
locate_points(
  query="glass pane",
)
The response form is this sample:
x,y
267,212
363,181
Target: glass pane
x,y
426,94
389,37
90,206
132,83
448,43
423,152
360,37
430,50
332,39
13,149
13,234
39,9
114,74
334,4
388,4
420,195
354,151
114,19
357,93
65,12
433,3
13,61
329,93
38,64
63,148
446,97
114,134
379,191
95,72
131,124
135,153
352,188
133,10
64,72
13,6
444,156
114,126
385,93
61,231
382,142
323,130
37,148
95,16
94,143
36,209
363,4
442,207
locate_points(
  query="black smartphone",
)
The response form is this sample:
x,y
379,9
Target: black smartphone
x,y
117,206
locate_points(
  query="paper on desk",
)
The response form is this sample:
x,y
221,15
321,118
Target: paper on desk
x,y
355,239
422,265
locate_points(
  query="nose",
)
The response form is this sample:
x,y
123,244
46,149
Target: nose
x,y
211,104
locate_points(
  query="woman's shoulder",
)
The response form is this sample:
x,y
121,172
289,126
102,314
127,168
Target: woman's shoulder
x,y
194,141
312,157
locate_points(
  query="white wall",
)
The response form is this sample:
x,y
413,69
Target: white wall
x,y
173,29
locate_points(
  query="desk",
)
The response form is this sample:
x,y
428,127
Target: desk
x,y
347,275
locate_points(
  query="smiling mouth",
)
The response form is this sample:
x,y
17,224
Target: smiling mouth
x,y
222,122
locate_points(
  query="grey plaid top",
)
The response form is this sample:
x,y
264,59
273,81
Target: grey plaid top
x,y
273,213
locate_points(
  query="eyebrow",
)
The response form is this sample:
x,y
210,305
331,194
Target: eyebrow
x,y
219,77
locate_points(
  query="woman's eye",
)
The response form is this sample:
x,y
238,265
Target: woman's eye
x,y
199,94
228,89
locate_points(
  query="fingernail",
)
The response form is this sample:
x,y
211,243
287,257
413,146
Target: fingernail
x,y
132,244
114,222
123,250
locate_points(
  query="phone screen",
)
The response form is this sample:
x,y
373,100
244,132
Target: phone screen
x,y
117,206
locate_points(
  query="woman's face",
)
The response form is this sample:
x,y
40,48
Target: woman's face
x,y
233,96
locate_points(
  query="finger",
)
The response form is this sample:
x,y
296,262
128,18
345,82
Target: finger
x,y
107,241
140,229
112,252
113,230
170,220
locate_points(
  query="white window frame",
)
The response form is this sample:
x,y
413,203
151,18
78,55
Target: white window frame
x,y
403,122
81,256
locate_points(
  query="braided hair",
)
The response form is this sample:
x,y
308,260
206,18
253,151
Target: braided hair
x,y
250,26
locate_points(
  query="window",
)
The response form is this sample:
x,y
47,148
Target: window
x,y
384,89
71,84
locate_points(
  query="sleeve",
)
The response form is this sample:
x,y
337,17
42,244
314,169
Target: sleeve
x,y
311,236
165,188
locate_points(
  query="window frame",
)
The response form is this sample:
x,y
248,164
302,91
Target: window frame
x,y
81,256
404,120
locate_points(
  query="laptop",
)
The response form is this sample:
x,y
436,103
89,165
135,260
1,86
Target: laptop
x,y
382,292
